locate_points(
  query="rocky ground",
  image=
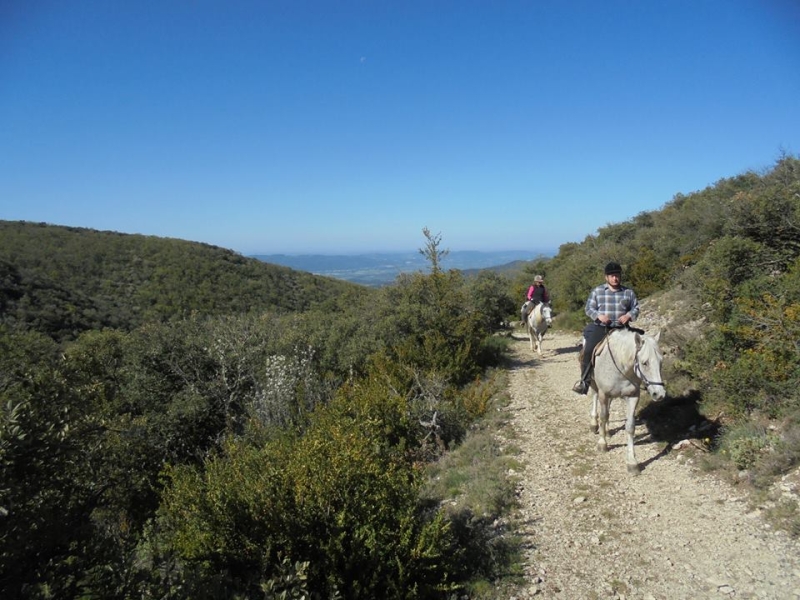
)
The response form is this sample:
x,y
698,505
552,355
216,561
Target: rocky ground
x,y
594,531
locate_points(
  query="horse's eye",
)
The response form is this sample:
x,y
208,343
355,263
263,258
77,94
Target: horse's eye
x,y
645,363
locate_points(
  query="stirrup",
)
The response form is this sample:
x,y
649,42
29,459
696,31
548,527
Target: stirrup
x,y
581,387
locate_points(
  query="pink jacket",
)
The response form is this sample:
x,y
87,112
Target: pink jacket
x,y
544,296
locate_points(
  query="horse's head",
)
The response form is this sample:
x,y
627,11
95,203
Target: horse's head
x,y
547,313
648,365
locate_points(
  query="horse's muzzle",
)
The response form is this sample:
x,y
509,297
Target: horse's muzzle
x,y
657,391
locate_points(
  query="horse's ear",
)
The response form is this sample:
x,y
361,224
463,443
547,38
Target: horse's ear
x,y
638,339
657,336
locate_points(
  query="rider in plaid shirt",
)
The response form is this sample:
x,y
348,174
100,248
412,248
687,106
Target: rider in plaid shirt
x,y
609,305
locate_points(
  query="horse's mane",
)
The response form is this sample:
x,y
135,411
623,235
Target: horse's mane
x,y
622,343
540,307
624,340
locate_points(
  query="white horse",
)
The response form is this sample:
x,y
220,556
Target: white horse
x,y
539,319
624,362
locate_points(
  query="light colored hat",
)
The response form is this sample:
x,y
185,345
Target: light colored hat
x,y
538,278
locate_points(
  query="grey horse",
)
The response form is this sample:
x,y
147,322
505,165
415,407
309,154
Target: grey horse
x,y
539,319
624,362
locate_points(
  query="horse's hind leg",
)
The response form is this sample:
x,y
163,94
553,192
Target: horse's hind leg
x,y
630,430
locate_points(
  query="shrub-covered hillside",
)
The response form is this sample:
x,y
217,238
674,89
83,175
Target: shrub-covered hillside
x,y
200,451
65,280
745,226
731,254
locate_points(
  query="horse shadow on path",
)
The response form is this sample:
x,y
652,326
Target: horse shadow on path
x,y
573,349
519,363
530,360
567,350
674,419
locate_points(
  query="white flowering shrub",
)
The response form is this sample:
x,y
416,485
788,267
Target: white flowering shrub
x,y
290,389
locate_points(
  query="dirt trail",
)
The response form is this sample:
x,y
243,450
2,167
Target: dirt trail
x,y
593,531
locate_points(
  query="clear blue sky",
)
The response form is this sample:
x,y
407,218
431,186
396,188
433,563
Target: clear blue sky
x,y
342,127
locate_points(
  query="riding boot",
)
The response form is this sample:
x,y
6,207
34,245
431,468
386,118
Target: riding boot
x,y
593,334
582,387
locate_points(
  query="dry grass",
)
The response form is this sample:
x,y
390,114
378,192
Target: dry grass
x,y
476,484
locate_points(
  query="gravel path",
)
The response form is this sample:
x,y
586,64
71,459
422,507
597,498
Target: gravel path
x,y
594,531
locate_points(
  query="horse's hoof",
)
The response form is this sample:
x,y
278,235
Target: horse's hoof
x,y
594,428
602,448
634,469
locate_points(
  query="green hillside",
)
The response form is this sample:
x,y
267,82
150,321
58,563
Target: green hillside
x,y
65,280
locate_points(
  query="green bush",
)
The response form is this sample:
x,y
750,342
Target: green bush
x,y
430,326
488,296
343,498
744,444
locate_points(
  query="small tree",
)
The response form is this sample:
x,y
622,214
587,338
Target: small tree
x,y
431,250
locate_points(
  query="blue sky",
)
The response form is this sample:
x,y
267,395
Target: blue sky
x,y
343,127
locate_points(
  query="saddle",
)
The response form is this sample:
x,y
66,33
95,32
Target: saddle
x,y
597,349
604,342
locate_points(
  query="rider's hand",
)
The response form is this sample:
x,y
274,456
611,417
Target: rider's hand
x,y
604,319
624,319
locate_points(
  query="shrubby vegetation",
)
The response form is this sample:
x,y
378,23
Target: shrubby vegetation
x,y
220,453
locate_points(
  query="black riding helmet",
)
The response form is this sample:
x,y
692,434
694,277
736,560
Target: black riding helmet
x,y
613,268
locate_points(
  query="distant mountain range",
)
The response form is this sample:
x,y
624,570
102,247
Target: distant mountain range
x,y
378,269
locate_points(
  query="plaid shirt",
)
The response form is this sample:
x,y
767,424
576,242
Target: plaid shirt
x,y
605,301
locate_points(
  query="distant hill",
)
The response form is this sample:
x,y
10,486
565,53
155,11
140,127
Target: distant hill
x,y
510,269
379,269
65,280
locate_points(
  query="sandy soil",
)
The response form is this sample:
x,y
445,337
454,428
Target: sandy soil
x,y
594,531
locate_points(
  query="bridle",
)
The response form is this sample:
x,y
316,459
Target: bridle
x,y
637,370
640,374
540,307
548,318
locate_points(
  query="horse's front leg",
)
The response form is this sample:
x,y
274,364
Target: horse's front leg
x,y
539,344
602,421
593,411
630,430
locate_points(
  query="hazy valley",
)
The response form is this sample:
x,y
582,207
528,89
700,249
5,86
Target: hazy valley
x,y
379,269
